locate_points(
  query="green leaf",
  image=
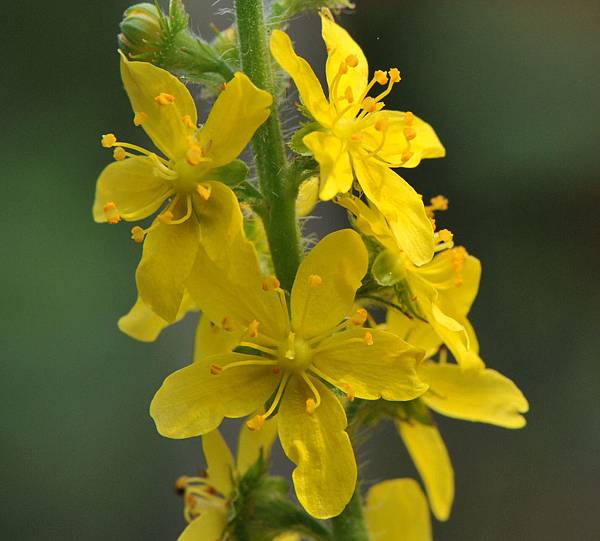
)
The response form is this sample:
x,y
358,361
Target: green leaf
x,y
296,143
231,174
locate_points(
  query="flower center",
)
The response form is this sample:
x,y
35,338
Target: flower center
x,y
295,354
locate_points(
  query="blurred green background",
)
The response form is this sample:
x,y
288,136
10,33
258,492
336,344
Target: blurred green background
x,y
512,89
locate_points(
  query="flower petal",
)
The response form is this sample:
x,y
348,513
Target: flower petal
x,y
417,333
385,369
208,526
428,451
219,462
212,339
340,260
309,87
133,187
397,510
340,46
325,474
253,443
238,111
401,205
482,395
334,163
192,401
167,259
164,124
143,324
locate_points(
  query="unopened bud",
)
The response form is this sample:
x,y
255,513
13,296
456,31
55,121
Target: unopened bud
x,y
140,36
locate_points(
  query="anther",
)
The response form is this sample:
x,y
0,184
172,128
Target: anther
x,y
253,328
409,133
227,323
256,423
349,95
139,118
311,406
164,99
381,77
350,392
359,317
108,140
409,118
394,75
352,60
369,105
181,483
215,369
270,283
406,155
187,121
381,124
368,339
445,235
112,213
204,191
314,280
439,202
119,154
194,154
138,234
166,217
343,68
356,137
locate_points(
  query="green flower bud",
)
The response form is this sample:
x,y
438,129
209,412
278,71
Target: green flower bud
x,y
141,32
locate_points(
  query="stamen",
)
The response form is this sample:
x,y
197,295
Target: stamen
x,y
352,61
311,405
108,140
112,213
164,99
314,280
409,118
439,202
139,118
369,105
258,361
204,191
290,353
406,155
138,234
282,383
409,133
381,77
256,423
195,155
259,347
187,121
459,256
166,217
188,212
394,75
368,338
349,95
332,381
445,235
215,369
253,328
359,317
270,283
227,324
381,124
350,392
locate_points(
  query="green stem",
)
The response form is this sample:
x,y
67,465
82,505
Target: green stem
x,y
350,525
279,193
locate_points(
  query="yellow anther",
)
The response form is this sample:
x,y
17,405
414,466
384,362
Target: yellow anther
x,y
187,121
314,280
359,317
343,68
256,423
253,328
381,77
181,483
311,406
356,137
394,75
164,99
459,256
439,202
227,323
349,95
369,105
190,501
112,213
368,339
352,60
108,140
381,124
204,191
194,154
350,392
270,283
409,118
432,222
138,234
139,118
406,155
166,217
119,154
445,235
409,133
215,369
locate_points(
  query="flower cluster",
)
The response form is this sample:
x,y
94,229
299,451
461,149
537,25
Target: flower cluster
x,y
364,331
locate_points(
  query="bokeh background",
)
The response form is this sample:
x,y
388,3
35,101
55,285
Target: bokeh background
x,y
512,89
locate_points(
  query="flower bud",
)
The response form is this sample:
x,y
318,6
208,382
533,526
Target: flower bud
x,y
141,32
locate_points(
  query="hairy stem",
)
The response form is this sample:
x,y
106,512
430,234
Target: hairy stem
x,y
350,525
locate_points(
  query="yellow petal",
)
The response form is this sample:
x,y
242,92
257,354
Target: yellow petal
x,y
164,124
340,46
397,511
402,207
133,187
288,537
143,324
208,526
212,339
340,260
428,451
219,461
482,395
253,443
192,401
384,369
238,111
309,87
325,474
425,144
417,333
308,196
368,220
334,163
167,259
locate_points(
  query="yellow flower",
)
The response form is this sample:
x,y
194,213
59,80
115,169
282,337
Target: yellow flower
x,y
358,138
140,181
444,289
287,362
472,393
397,510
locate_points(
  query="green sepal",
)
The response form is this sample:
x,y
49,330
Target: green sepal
x,y
231,174
415,410
296,142
387,269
